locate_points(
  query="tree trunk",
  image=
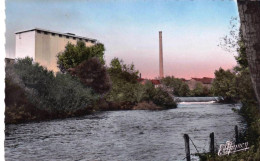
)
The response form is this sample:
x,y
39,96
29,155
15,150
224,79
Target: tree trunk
x,y
249,13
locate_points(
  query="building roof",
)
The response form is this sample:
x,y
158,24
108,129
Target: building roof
x,y
58,33
204,80
155,82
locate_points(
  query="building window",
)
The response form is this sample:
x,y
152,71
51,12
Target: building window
x,y
67,37
86,40
39,31
80,39
53,34
46,33
74,38
60,35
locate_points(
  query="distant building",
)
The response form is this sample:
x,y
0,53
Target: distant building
x,y
155,82
44,45
205,81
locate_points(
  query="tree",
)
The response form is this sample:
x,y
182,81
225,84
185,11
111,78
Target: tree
x,y
92,73
235,42
224,85
76,54
249,13
57,94
198,90
184,90
180,87
125,87
118,69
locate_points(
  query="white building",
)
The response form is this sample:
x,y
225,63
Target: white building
x,y
44,45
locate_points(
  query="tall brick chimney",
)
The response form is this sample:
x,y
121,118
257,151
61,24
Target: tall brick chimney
x,y
160,56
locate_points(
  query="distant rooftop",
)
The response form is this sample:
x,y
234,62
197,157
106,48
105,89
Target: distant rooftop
x,y
58,33
204,80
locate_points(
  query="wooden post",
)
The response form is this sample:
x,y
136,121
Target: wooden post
x,y
236,134
187,146
211,145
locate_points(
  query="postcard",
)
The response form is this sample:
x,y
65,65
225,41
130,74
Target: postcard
x,y
131,80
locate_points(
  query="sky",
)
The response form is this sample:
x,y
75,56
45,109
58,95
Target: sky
x,y
191,30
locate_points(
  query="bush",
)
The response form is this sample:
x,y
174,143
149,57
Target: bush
x,y
162,98
126,89
62,93
123,91
180,88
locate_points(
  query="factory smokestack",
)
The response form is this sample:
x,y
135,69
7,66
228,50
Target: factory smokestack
x,y
160,56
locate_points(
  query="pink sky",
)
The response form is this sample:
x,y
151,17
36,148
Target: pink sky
x,y
129,30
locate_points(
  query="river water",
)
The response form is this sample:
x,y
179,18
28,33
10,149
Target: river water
x,y
123,135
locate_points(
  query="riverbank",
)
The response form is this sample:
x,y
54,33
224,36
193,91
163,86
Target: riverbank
x,y
20,110
34,93
29,113
252,135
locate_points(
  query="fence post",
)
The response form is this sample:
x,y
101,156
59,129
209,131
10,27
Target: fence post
x,y
187,146
211,145
236,134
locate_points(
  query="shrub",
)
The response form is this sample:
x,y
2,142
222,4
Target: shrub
x,y
62,93
123,91
180,87
162,98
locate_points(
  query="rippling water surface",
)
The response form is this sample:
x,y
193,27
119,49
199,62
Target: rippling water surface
x,y
123,135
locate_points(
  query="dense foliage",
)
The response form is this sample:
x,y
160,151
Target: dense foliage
x,y
200,90
118,69
180,88
224,85
92,74
125,87
76,54
62,93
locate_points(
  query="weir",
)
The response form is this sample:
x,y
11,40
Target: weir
x,y
197,99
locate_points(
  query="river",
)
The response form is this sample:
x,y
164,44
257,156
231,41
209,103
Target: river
x,y
123,135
